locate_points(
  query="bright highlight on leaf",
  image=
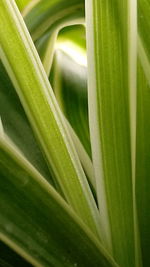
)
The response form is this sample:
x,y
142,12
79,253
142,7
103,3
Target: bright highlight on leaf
x,y
74,52
1,128
74,133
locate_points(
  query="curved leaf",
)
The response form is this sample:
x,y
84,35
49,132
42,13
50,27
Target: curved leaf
x,y
46,44
37,98
37,223
50,14
70,87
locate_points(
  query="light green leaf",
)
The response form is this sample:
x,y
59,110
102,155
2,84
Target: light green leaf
x,y
83,156
22,3
109,56
43,112
73,82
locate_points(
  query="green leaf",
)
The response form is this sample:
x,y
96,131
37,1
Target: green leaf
x,y
75,88
70,33
70,87
37,223
17,127
9,258
142,163
46,48
46,44
37,98
52,14
143,127
109,74
83,156
144,24
77,91
22,3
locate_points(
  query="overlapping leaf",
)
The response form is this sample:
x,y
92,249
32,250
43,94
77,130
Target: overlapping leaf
x,y
36,222
16,125
70,86
43,112
111,36
108,46
143,129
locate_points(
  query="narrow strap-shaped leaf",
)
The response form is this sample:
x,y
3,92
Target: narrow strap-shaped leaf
x,y
37,223
144,38
47,14
46,44
142,163
70,87
46,48
144,59
76,94
83,156
132,83
17,127
143,129
108,61
62,15
144,24
37,98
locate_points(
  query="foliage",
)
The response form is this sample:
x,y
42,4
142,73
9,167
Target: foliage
x,y
74,133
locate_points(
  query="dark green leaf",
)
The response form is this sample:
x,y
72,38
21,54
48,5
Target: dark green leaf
x,y
9,258
36,222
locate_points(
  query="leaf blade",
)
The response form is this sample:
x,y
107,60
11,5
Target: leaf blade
x,y
46,237
108,55
43,112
